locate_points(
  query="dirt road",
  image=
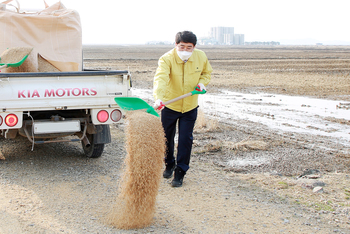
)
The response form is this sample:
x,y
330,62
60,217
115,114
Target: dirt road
x,y
55,189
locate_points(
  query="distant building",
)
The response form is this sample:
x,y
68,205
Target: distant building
x,y
223,36
239,39
227,36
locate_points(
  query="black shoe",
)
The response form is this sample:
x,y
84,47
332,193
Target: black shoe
x,y
168,172
178,177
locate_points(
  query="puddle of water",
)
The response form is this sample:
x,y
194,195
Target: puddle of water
x,y
279,112
282,112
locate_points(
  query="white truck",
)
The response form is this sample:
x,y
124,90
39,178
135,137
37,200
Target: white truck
x,y
62,106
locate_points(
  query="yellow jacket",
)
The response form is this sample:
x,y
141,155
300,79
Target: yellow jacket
x,y
174,78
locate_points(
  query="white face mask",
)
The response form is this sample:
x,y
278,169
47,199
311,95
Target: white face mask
x,y
184,55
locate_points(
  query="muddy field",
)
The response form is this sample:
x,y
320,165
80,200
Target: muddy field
x,y
55,189
317,72
313,71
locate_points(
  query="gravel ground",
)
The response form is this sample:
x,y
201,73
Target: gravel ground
x,y
56,189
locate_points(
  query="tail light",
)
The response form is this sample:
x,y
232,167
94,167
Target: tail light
x,y
11,120
116,115
102,116
105,116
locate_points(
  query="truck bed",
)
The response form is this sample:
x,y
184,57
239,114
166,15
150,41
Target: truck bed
x,y
86,89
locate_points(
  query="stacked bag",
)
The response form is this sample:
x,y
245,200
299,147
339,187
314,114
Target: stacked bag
x,y
54,33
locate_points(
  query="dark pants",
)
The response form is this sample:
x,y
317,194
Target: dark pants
x,y
186,123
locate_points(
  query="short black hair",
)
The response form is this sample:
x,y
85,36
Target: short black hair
x,y
186,37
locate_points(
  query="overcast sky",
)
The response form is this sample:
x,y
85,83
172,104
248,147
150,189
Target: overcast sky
x,y
140,21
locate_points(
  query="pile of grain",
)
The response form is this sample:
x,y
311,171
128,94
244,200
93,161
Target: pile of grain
x,y
203,124
15,55
145,146
246,145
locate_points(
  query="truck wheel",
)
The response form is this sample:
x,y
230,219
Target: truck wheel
x,y
94,150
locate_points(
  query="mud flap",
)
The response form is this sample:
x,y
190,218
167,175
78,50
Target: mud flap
x,y
103,134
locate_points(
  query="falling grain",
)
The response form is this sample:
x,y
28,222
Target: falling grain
x,y
145,146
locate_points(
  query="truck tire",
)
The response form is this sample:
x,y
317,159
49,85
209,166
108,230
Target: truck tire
x,y
97,141
93,150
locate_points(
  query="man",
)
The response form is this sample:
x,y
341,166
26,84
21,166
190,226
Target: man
x,y
180,71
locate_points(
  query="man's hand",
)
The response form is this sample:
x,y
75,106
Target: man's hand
x,y
158,104
200,87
